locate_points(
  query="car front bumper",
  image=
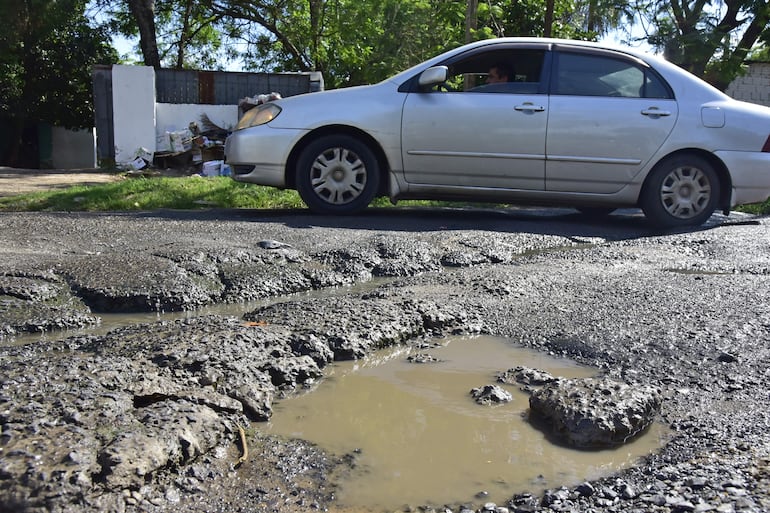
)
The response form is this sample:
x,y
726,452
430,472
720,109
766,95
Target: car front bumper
x,y
258,155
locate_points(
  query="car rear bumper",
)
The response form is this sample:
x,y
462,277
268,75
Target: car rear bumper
x,y
750,173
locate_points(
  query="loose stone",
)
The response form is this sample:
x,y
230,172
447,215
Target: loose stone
x,y
489,394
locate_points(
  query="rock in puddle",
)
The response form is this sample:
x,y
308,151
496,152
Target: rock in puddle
x,y
595,412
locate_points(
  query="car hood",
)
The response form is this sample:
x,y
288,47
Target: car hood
x,y
339,106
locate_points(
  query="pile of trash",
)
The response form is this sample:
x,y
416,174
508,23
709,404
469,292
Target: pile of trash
x,y
250,102
198,149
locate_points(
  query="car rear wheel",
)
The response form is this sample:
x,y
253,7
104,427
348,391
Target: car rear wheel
x,y
337,174
681,191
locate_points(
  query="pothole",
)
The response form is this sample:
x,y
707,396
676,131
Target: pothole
x,y
417,437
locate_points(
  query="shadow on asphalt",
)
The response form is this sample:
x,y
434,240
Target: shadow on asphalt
x,y
623,224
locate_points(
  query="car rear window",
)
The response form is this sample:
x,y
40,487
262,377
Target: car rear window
x,y
582,74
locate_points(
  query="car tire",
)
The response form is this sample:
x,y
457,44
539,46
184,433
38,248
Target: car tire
x,y
680,191
337,174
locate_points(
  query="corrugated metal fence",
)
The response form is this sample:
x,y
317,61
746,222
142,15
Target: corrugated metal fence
x,y
225,88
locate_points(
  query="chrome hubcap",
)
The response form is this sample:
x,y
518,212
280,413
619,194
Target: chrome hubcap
x,y
685,192
338,176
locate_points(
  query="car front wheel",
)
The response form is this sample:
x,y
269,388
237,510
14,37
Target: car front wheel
x,y
337,174
681,191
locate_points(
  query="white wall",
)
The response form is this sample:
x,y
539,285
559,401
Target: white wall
x,y
73,149
133,110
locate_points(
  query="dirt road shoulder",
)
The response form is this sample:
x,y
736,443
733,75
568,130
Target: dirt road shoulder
x,y
19,181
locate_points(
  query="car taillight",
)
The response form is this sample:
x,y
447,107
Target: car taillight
x,y
766,147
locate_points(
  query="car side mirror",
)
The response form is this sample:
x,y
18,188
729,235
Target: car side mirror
x,y
434,75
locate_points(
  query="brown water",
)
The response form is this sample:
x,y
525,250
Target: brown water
x,y
421,439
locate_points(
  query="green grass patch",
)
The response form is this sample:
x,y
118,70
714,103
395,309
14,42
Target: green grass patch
x,y
185,193
755,208
180,193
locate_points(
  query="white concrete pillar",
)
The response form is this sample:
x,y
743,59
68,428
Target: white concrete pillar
x,y
133,110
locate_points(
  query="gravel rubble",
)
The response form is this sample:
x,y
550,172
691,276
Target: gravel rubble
x,y
152,418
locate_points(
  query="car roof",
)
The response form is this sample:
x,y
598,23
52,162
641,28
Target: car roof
x,y
672,72
539,41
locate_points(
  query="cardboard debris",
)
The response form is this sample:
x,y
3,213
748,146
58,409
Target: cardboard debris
x,y
163,142
144,154
142,158
181,140
137,164
215,168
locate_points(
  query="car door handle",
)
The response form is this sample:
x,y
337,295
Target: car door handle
x,y
655,112
529,107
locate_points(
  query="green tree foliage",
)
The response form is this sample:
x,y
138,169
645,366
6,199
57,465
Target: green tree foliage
x,y
357,41
180,34
708,38
363,41
350,41
761,51
571,19
47,53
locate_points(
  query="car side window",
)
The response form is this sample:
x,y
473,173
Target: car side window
x,y
580,74
512,71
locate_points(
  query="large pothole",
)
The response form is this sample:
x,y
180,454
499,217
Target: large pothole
x,y
417,437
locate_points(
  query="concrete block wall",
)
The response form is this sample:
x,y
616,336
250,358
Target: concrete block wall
x,y
754,86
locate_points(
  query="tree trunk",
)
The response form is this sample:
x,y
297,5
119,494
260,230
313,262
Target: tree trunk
x,y
184,37
144,14
471,24
548,21
316,31
471,19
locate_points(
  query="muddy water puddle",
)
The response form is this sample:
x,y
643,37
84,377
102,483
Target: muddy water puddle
x,y
418,437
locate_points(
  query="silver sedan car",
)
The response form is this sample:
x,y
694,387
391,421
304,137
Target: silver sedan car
x,y
517,120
